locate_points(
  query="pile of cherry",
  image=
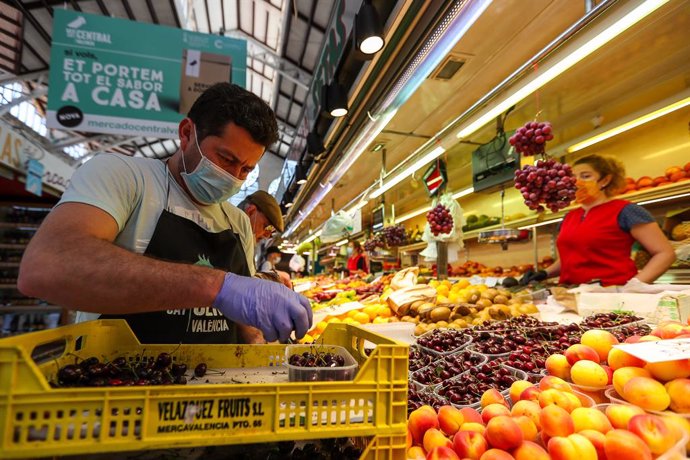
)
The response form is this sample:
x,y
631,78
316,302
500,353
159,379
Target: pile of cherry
x,y
500,351
91,372
316,358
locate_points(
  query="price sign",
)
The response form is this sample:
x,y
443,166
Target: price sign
x,y
658,352
436,178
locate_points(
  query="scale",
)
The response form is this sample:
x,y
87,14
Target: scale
x,y
504,235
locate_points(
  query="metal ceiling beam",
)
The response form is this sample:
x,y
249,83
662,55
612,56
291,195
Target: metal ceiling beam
x,y
7,79
284,68
174,10
58,146
38,92
106,147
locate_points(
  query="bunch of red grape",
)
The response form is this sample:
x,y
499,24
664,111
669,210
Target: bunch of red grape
x,y
549,182
440,220
531,138
374,242
394,235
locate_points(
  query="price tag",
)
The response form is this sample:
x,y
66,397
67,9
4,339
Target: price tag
x,y
491,281
303,287
659,351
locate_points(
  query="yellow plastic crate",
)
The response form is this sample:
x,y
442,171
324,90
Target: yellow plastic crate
x,y
37,420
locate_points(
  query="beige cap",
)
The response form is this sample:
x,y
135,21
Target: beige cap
x,y
269,206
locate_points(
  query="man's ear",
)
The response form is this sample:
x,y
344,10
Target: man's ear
x,y
185,132
250,209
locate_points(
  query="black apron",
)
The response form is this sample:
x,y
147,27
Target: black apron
x,y
177,239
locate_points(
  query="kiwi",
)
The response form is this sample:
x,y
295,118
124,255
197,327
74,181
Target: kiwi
x,y
484,303
439,314
500,299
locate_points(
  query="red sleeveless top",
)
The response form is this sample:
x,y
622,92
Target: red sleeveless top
x,y
593,246
353,261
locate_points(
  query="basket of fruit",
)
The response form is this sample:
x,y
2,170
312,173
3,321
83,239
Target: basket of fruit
x,y
92,387
319,363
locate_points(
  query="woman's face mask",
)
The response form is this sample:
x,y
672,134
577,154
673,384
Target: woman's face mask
x,y
587,191
349,250
209,183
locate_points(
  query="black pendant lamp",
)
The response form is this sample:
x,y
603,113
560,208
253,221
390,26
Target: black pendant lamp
x,y
368,29
336,100
315,144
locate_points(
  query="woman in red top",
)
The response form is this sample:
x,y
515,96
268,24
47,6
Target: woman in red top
x,y
357,261
595,240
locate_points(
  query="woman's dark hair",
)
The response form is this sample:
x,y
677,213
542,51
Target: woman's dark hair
x,y
606,166
356,246
223,103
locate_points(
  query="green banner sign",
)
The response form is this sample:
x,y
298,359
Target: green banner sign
x,y
115,76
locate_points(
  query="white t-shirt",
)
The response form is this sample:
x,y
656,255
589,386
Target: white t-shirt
x,y
133,191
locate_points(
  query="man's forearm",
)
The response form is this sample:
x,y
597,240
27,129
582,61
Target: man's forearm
x,y
94,275
656,267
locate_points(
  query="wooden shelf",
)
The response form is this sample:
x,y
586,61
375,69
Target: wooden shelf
x,y
9,264
37,308
415,247
12,246
19,225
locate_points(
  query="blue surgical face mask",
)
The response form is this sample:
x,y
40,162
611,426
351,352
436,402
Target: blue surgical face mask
x,y
349,251
209,183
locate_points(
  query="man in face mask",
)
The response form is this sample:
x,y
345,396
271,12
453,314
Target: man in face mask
x,y
264,215
156,243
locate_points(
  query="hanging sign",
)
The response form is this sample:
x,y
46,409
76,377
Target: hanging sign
x,y
115,76
436,178
34,176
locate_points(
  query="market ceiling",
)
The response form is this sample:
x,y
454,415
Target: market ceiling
x,y
284,37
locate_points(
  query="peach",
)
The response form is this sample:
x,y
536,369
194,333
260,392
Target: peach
x,y
550,382
622,444
649,338
578,352
416,453
622,375
633,339
420,420
620,414
450,419
587,418
503,433
517,388
609,373
527,426
646,393
669,330
496,454
599,340
435,438
598,440
530,451
473,426
563,399
618,358
680,426
492,396
530,394
408,443
529,409
494,410
555,421
558,366
471,415
573,447
653,431
669,370
678,390
442,453
469,444
589,373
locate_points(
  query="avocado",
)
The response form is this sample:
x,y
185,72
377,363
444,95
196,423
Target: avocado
x,y
510,282
471,219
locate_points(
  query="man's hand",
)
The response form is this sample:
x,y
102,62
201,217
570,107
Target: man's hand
x,y
268,306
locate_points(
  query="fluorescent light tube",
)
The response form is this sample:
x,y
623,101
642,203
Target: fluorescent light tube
x,y
666,198
341,242
546,222
437,152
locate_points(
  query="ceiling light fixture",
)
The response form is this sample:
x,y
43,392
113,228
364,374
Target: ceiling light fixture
x,y
315,144
437,152
287,205
336,100
666,198
341,242
368,29
301,175
422,210
547,72
311,238
634,123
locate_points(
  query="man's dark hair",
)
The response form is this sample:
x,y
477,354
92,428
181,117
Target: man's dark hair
x,y
223,103
272,250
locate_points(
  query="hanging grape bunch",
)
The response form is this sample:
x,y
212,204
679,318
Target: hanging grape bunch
x,y
531,139
549,182
374,242
394,235
440,220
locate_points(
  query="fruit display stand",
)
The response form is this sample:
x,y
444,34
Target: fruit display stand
x,y
37,419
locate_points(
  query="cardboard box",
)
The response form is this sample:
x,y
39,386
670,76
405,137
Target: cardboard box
x,y
199,71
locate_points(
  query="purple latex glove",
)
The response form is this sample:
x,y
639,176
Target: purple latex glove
x,y
266,305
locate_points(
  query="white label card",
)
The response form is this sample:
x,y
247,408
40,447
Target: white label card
x,y
336,310
658,351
